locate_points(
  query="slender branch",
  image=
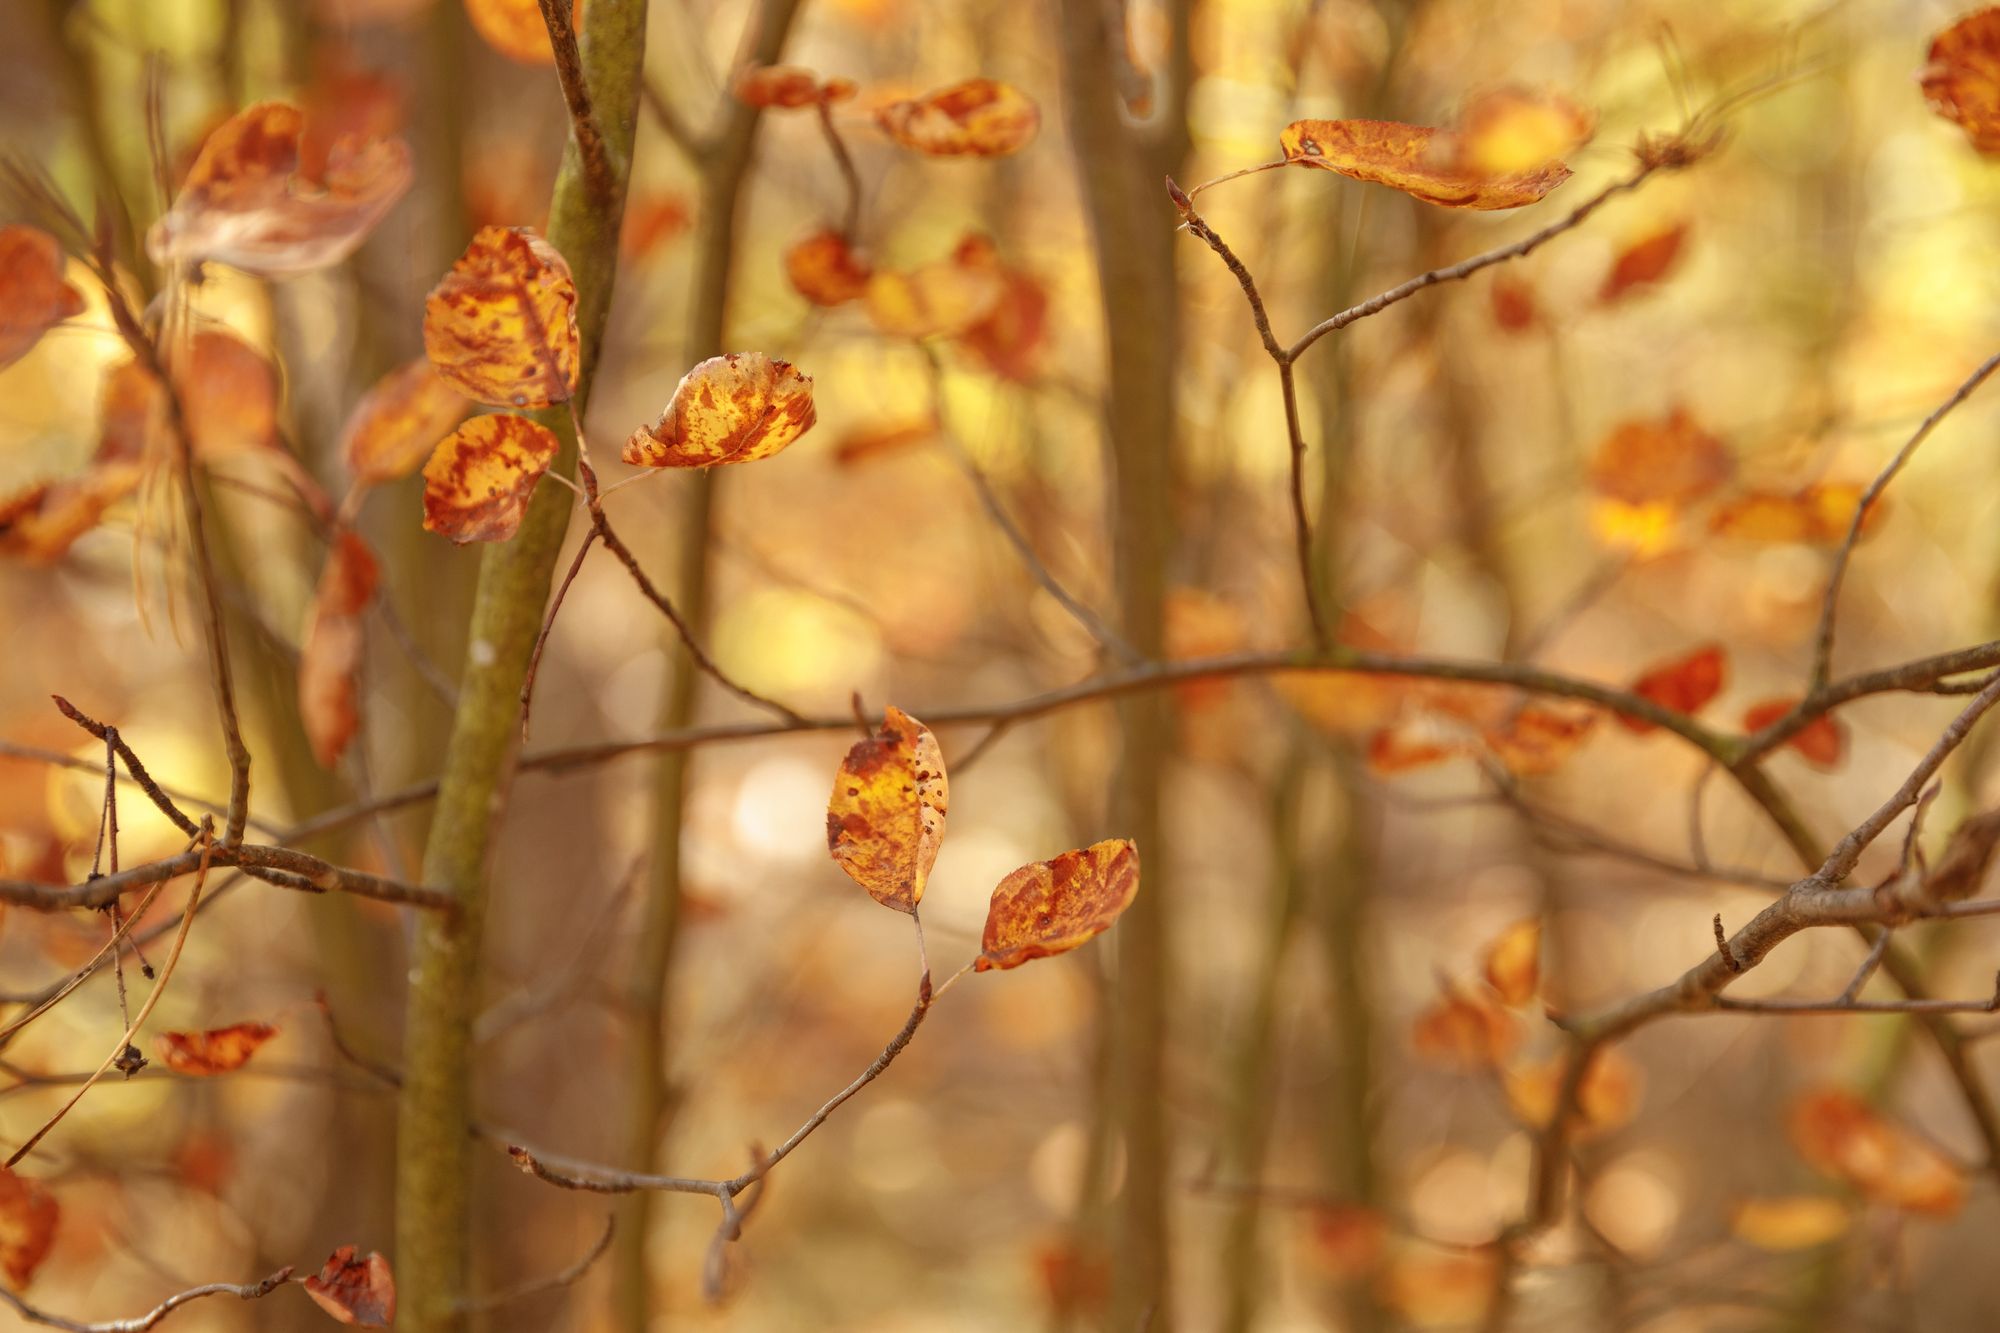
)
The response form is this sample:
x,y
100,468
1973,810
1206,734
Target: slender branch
x,y
850,218
278,865
601,178
140,1323
110,736
548,625
553,1282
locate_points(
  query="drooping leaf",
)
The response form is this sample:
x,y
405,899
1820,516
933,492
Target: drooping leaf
x,y
1514,961
948,297
1822,742
360,1291
1606,1098
1962,79
787,87
976,118
330,655
1643,263
28,1217
480,477
825,270
1465,1029
246,203
1050,907
1843,1136
34,297
1791,1221
501,326
216,1051
1669,460
885,820
393,429
1684,684
734,408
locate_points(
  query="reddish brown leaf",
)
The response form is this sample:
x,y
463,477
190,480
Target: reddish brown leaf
x,y
734,408
395,427
1050,907
1515,309
355,1290
501,326
787,87
334,646
481,476
825,270
1683,684
216,1051
946,297
34,298
885,820
651,223
28,1217
976,118
41,523
1536,738
344,101
1465,1029
1643,263
1822,742
1348,1240
1962,80
1669,460
1840,1134
1010,337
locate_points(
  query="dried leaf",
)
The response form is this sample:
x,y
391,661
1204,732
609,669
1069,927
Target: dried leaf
x,y
946,297
1961,871
1817,515
216,1051
1464,1029
355,1291
480,477
1514,961
1417,742
344,101
34,298
734,408
1009,339
885,820
787,87
1050,907
1670,460
397,424
1537,739
1643,263
334,646
1841,1135
1432,1289
1607,1098
1962,80
1791,1221
1348,1240
229,395
41,523
977,118
825,270
28,1217
650,223
246,202
1515,309
501,326
516,29
1683,684
1822,742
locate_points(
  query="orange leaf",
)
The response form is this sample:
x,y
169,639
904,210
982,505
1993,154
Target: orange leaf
x,y
787,87
216,1051
1639,531
1790,1222
1643,262
1670,460
41,523
1431,1289
480,477
1514,961
1962,80
355,1291
651,223
34,298
1419,742
1200,624
1348,1239
343,101
28,1216
1684,684
1505,152
1050,907
516,29
885,820
976,118
1464,1029
501,326
948,296
1009,338
1816,515
229,395
1841,1135
1515,309
1821,743
1536,739
334,646
246,203
869,441
1607,1098
395,427
734,408
825,270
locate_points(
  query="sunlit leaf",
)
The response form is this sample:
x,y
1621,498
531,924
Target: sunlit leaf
x,y
825,270
1669,460
1050,907
787,87
1514,961
355,1290
1515,309
864,443
734,408
1009,339
1348,1240
1606,1098
1791,1221
34,297
1841,1135
1432,1288
1639,531
976,118
1817,515
246,203
28,1216
1962,80
216,1051
229,394
516,29
41,523
1644,262
1465,1029
394,428
1822,742
885,820
1537,738
480,477
501,326
948,296
331,654
1683,684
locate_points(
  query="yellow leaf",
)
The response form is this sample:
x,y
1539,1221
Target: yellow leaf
x,y
394,428
1050,907
734,408
976,118
1790,1222
885,821
501,326
480,477
1514,961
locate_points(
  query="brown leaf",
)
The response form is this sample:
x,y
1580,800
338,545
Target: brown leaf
x,y
885,820
334,647
355,1291
246,203
825,270
501,326
28,1217
1643,263
1962,80
1464,1029
1841,1135
1683,684
1050,907
395,426
787,87
1669,460
734,408
34,298
976,118
1010,337
481,476
216,1051
1514,961
1822,742
1515,309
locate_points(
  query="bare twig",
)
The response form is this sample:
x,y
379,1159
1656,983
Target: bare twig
x,y
140,1323
553,1282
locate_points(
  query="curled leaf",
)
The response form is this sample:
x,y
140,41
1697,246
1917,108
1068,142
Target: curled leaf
x,y
1514,961
501,326
28,1217
734,408
1791,1221
976,118
1843,1136
1669,460
481,476
1684,684
1643,263
246,203
34,297
1962,79
1050,907
885,820
331,653
787,87
1822,742
359,1291
825,270
395,426
216,1051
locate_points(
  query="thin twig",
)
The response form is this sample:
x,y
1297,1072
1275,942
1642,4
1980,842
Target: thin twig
x,y
600,176
553,1282
140,1323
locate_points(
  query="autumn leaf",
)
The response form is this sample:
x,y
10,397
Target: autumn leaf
x,y
1432,1289
334,646
1682,684
355,1290
1962,80
41,523
34,297
1536,739
479,478
1505,151
1816,515
885,820
1515,309
734,408
1643,263
1075,1277
1464,1029
1669,460
1638,532
650,223
787,87
1200,624
1008,340
945,297
28,1217
516,29
216,1051
1514,961
1822,742
246,202
229,395
1790,1222
1839,1134
1050,907
825,270
976,118
501,326
1348,1240
397,424
343,101
866,442
1606,1098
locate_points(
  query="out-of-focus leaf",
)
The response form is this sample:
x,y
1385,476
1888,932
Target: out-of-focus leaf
x,y
1962,79
1514,961
28,1217
34,297
216,1051
1050,907
397,424
885,820
516,29
1538,738
1670,460
1606,1098
1816,515
976,118
1684,684
480,477
353,1290
335,643
825,270
1843,1136
1822,742
858,446
1639,532
1790,1221
1200,624
734,408
1075,1276
1515,309
1465,1029
787,87
1010,338
652,222
946,297
1433,1289
40,524
1643,263
1348,1240
501,326
344,101
246,203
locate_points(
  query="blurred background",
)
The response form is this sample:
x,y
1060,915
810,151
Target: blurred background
x,y
687,959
